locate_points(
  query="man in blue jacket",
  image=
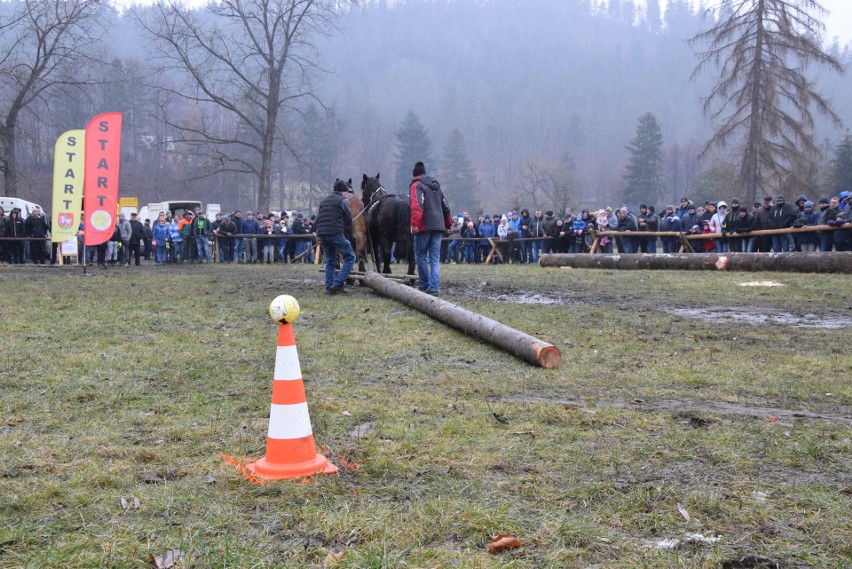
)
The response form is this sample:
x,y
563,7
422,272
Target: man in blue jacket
x,y
252,228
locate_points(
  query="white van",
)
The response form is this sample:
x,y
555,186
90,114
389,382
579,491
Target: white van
x,y
152,210
26,207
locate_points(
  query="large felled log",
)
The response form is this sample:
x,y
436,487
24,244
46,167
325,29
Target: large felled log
x,y
513,341
822,262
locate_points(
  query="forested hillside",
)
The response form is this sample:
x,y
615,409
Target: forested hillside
x,y
532,90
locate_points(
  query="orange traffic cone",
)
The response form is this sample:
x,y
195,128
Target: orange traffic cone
x,y
290,449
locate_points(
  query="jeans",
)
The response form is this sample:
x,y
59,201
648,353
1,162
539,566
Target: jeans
x,y
250,244
203,246
239,246
627,245
427,253
301,246
177,246
781,243
331,246
826,240
537,249
160,252
282,250
453,251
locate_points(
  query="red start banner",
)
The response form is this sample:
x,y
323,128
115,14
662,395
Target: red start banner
x,y
100,180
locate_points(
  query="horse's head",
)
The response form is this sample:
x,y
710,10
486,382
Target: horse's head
x,y
370,187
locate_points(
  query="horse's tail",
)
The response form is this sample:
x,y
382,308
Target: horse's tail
x,y
403,227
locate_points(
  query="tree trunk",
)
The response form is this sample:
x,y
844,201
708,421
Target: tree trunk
x,y
7,162
822,262
513,341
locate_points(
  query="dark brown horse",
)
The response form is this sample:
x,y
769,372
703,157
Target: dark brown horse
x,y
388,224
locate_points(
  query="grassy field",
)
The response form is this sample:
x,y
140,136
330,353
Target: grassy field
x,y
668,437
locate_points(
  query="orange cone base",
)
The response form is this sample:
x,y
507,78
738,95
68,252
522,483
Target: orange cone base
x,y
268,471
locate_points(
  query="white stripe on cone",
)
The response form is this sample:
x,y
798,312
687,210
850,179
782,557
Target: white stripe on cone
x,y
287,363
289,421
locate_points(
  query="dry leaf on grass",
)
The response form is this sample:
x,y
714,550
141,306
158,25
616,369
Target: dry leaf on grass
x,y
347,464
772,418
501,542
333,557
683,512
168,559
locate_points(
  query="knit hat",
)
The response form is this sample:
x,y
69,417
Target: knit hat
x,y
824,200
809,203
340,186
419,169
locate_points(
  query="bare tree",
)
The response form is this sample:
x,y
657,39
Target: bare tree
x,y
762,100
251,58
40,40
551,186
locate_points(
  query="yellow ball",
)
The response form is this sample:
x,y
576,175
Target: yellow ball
x,y
284,309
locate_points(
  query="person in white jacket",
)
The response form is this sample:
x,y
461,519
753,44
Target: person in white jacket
x,y
717,225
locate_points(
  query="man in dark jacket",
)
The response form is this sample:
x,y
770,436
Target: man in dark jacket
x,y
627,224
334,220
536,230
780,217
36,226
689,221
670,222
827,214
137,234
430,218
762,221
740,227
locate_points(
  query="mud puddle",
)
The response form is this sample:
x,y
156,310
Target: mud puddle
x,y
760,317
525,298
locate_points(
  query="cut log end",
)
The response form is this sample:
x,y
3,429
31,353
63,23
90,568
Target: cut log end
x,y
549,357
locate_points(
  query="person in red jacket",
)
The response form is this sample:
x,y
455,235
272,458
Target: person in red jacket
x,y
430,218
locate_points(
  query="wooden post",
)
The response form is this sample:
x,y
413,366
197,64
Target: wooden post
x,y
513,341
494,251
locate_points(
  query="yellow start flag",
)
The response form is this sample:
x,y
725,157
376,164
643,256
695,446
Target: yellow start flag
x,y
68,170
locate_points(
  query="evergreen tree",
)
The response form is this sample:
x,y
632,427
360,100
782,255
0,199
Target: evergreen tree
x,y
316,151
762,100
457,175
841,167
654,16
412,145
644,174
714,183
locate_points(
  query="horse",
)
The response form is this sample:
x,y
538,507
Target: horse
x,y
358,238
388,224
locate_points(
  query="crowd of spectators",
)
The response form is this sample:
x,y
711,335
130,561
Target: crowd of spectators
x,y
253,238
521,237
